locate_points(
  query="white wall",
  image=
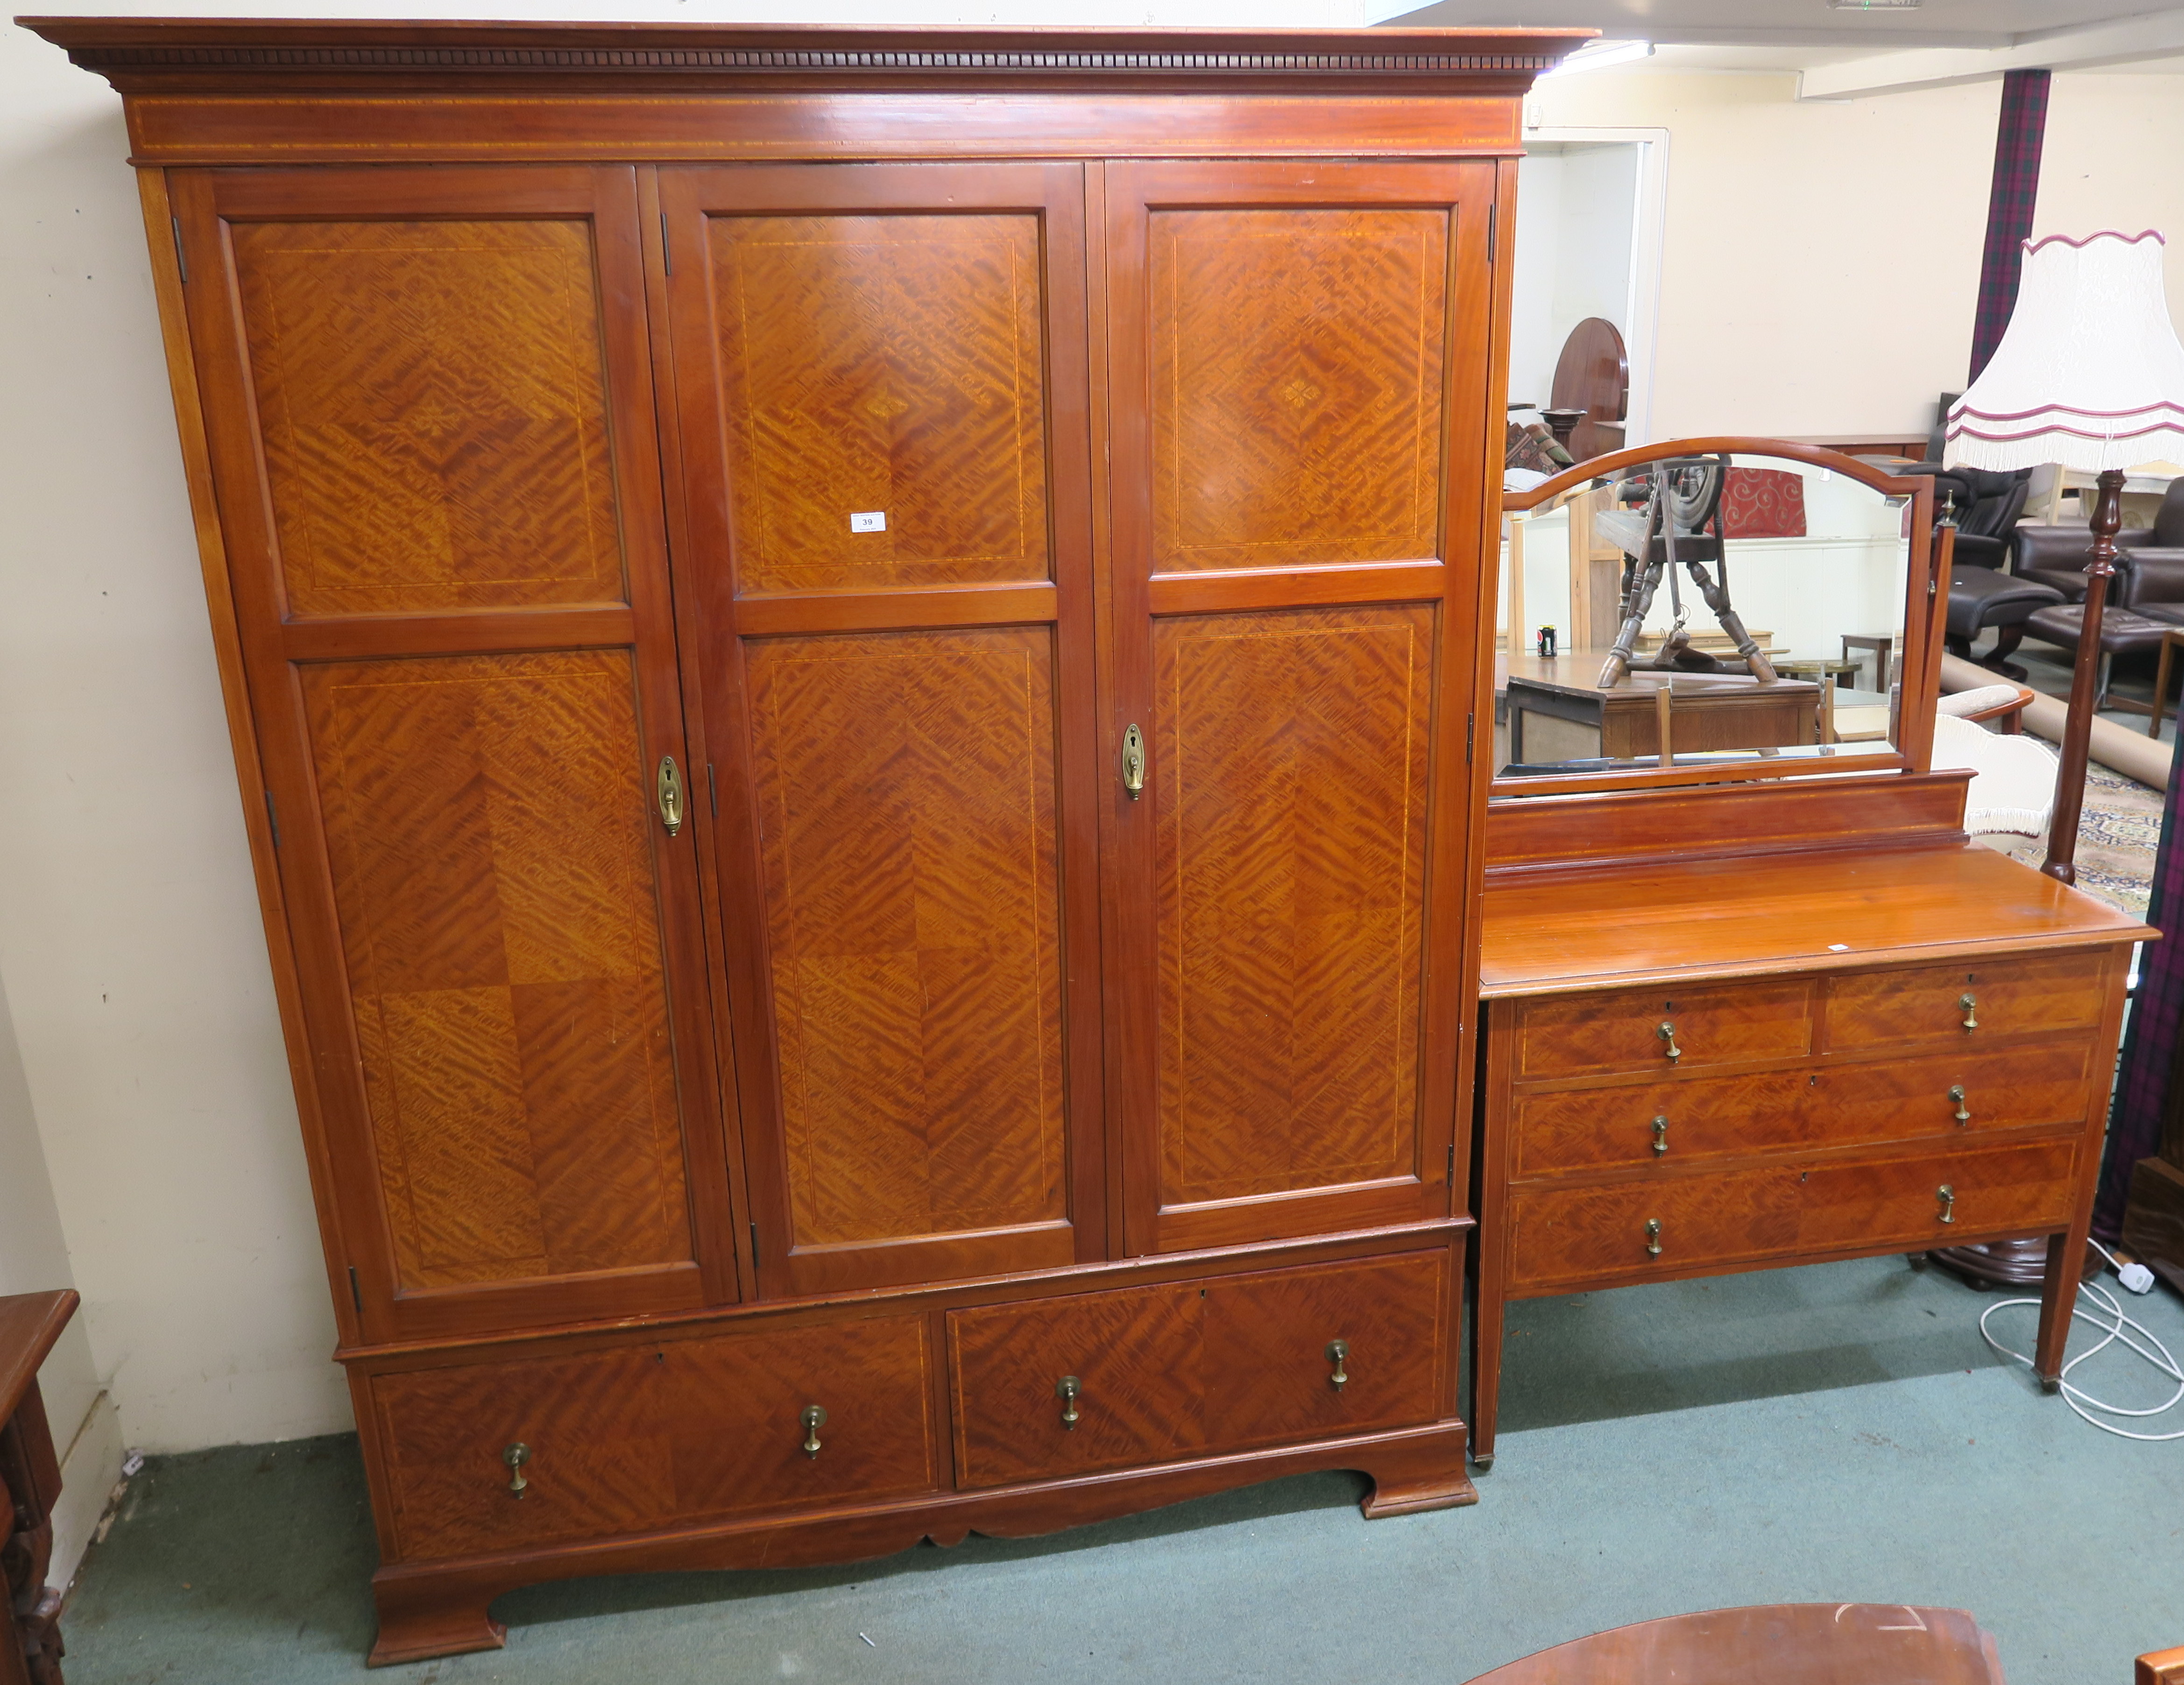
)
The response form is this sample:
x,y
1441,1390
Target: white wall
x,y
1576,221
1821,259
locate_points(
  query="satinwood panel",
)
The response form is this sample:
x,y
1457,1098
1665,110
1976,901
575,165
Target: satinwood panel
x,y
1297,385
486,821
644,1435
431,405
905,786
1292,751
2015,996
890,367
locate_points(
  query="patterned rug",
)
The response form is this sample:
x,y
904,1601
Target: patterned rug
x,y
2118,831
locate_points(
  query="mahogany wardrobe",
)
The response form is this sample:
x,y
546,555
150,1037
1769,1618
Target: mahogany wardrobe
x,y
855,658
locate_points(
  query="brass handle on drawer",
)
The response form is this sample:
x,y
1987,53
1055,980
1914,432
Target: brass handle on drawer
x,y
1066,1390
1947,1196
1653,1237
669,787
814,1418
1669,1034
1338,1353
1660,1135
1957,1094
1133,762
515,1457
1969,1002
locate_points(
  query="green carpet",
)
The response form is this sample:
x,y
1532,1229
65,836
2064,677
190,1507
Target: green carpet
x,y
1835,1432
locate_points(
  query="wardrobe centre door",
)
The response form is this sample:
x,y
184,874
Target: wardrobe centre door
x,y
885,575
1297,366
429,406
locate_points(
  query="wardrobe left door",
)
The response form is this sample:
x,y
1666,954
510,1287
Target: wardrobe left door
x,y
430,416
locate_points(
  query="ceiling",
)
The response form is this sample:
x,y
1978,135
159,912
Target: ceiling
x,y
1795,35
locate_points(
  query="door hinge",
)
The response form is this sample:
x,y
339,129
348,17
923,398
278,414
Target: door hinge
x,y
754,1246
182,263
355,1294
1492,219
712,791
666,251
1451,1164
273,817
1933,587
1470,725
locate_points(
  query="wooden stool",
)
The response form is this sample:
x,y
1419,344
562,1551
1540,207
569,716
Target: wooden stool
x,y
1780,1643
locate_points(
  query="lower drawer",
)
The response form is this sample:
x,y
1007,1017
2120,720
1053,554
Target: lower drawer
x,y
1197,1368
1637,1229
649,1436
1670,1123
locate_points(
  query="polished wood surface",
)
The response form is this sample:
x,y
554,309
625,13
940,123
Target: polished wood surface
x,y
1784,1643
30,1647
1653,1031
2159,1667
902,454
1748,915
1900,1008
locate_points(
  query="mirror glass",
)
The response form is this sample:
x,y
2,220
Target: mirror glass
x,y
1753,604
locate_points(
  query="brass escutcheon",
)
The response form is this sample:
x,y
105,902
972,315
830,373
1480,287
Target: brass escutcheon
x,y
1133,762
1338,1352
814,1418
670,791
1653,1237
1066,1390
515,1457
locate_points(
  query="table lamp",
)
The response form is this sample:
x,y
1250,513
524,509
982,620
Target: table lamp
x,y
2090,375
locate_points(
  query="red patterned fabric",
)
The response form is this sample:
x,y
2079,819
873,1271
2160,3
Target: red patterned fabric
x,y
1764,503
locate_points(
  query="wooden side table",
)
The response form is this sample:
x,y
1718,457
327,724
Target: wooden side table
x,y
2170,640
30,1485
1784,1643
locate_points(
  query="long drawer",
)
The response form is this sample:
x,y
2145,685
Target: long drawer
x,y
1196,1367
1952,1095
647,1436
1633,1230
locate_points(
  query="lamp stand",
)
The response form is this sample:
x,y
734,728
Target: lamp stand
x,y
2078,723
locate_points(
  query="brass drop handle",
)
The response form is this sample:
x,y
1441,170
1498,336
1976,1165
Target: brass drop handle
x,y
1969,1002
1066,1390
1653,1237
1338,1353
515,1457
814,1418
1957,1094
1947,1196
670,786
1133,762
1660,1135
1667,1033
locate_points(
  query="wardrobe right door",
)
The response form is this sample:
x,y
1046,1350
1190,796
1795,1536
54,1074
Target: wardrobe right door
x,y
1297,363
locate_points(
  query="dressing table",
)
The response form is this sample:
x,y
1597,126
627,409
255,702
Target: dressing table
x,y
1772,1008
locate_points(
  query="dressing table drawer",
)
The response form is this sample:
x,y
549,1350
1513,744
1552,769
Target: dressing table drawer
x,y
1665,1029
1975,1002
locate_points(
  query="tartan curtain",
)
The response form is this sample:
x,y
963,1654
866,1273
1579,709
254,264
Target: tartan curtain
x,y
2010,206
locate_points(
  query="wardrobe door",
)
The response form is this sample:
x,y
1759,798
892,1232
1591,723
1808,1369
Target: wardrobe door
x,y
880,372
429,413
1297,362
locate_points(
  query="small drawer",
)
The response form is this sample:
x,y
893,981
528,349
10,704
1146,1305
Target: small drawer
x,y
1669,1124
642,1436
1665,1029
1974,1003
1196,1369
1927,1201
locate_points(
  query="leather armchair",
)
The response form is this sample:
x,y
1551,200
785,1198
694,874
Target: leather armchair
x,y
1981,596
2145,598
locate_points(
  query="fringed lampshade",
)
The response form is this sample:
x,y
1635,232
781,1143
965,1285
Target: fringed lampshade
x,y
2089,373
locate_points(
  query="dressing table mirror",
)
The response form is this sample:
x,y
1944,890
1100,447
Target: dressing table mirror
x,y
1751,998
1759,598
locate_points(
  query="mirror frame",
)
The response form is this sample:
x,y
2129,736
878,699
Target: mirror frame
x,y
1924,615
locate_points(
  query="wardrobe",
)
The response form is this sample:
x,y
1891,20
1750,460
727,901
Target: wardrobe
x,y
855,658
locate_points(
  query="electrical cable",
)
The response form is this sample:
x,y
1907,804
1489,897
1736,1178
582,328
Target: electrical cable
x,y
2159,1357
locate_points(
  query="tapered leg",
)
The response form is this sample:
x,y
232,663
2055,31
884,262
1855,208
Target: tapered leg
x,y
1486,1354
2058,1299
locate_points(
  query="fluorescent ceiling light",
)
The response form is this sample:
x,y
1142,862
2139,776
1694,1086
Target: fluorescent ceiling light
x,y
1603,54
1875,5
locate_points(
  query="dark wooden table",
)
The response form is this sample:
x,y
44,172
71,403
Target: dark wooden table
x,y
1782,1643
30,1485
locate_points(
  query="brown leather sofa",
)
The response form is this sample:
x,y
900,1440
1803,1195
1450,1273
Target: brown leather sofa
x,y
2145,598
